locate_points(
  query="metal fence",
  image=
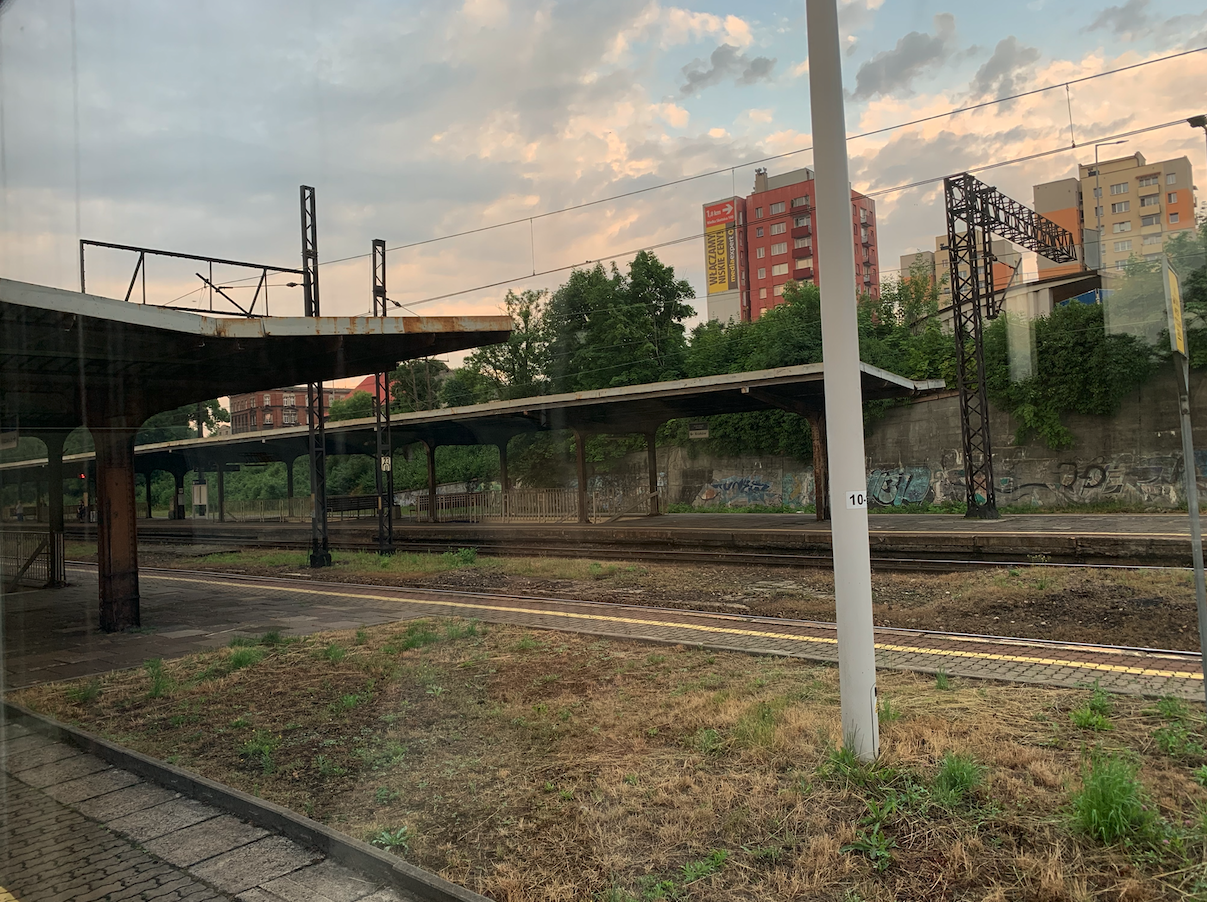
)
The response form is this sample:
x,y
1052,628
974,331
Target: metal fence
x,y
26,559
530,506
272,510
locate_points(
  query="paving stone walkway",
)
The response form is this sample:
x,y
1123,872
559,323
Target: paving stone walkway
x,y
75,829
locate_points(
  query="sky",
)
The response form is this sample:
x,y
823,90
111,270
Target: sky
x,y
189,127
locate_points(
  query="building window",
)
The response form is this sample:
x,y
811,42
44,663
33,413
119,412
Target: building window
x,y
779,269
1146,181
1121,246
762,272
778,228
1171,197
778,291
800,201
807,241
252,418
801,221
762,294
1120,264
804,263
1123,206
1171,178
758,212
1098,211
1173,217
1151,220
777,208
1152,239
1097,191
1150,200
1121,227
268,421
780,247
760,252
758,232
289,400
1121,188
267,399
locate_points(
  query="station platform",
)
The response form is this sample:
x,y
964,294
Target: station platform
x,y
51,634
1065,538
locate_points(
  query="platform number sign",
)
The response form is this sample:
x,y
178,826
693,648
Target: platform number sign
x,y
856,500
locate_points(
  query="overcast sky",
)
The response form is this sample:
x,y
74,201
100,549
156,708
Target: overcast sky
x,y
190,126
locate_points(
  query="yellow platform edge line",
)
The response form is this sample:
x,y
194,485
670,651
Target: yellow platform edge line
x,y
721,630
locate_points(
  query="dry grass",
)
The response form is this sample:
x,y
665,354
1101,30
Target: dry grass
x,y
545,766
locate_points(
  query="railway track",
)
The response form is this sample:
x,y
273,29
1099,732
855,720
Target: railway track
x,y
636,550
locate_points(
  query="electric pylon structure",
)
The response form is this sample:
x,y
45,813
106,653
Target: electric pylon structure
x,y
975,213
320,551
381,413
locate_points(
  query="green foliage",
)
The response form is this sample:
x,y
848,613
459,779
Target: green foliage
x,y
356,406
395,840
942,680
415,385
1110,805
958,776
259,748
462,557
518,368
1095,713
1079,369
85,693
334,653
244,657
876,845
705,867
181,423
160,683
609,329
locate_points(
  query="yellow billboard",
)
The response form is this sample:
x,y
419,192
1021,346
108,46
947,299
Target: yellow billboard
x,y
720,258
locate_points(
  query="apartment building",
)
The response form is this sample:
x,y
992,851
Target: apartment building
x,y
1137,204
936,265
755,245
277,407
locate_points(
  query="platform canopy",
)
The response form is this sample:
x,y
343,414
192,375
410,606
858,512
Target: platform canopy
x,y
68,358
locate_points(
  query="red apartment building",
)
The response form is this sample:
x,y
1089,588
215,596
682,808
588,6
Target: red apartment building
x,y
277,407
756,244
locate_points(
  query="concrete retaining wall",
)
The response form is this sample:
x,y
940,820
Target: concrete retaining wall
x,y
914,456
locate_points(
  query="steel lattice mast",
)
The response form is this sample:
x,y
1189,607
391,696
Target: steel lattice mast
x,y
975,213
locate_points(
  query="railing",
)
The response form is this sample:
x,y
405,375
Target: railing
x,y
25,559
531,506
274,510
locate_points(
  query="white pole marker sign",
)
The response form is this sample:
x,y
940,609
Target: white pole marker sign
x,y
856,500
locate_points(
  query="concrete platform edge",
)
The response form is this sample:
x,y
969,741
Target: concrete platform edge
x,y
342,849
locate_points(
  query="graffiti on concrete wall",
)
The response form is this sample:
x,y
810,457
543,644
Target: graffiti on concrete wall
x,y
737,491
902,485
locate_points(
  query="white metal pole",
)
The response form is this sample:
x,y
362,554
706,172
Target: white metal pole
x,y
844,400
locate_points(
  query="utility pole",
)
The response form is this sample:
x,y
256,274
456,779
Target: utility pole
x,y
844,397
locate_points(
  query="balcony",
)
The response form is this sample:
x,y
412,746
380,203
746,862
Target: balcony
x,y
803,275
800,253
802,231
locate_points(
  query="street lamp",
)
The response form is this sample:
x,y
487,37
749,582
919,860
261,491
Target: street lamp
x,y
1098,197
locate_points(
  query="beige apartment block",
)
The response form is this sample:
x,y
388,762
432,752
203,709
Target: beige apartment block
x,y
1141,205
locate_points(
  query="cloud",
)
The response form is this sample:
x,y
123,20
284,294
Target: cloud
x,y
891,71
1126,21
1002,74
726,62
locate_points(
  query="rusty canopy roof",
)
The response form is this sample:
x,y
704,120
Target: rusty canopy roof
x,y
67,358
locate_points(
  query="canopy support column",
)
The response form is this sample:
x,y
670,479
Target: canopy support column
x,y
117,536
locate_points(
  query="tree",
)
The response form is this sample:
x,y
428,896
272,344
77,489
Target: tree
x,y
607,329
181,423
415,385
356,406
516,368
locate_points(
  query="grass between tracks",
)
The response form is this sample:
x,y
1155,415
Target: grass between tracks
x,y
543,766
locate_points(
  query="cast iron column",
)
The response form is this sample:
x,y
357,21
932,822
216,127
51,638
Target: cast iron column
x,y
54,502
381,413
431,479
651,465
580,454
320,553
116,528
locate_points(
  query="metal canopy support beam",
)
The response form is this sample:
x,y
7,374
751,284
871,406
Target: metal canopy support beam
x,y
116,528
381,413
221,491
431,480
817,425
580,455
504,480
651,465
320,552
975,213
54,500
